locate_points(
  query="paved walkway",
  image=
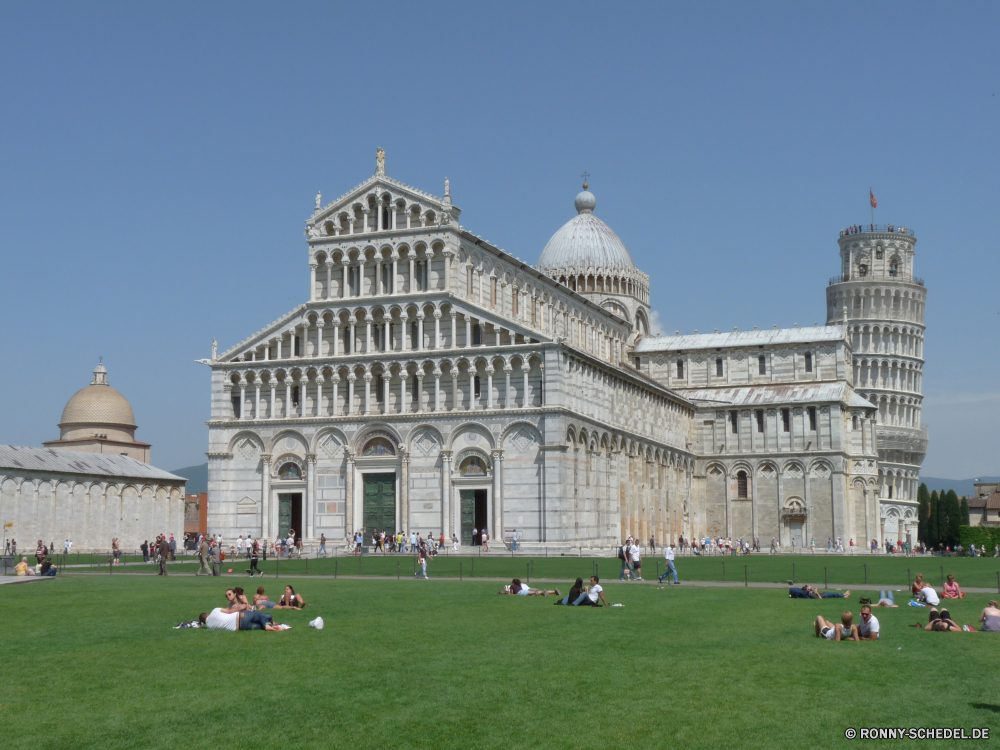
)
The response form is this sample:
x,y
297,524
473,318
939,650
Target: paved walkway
x,y
25,579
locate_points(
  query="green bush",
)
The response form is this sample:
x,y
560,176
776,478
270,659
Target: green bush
x,y
979,536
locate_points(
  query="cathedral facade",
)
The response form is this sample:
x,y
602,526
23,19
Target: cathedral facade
x,y
435,383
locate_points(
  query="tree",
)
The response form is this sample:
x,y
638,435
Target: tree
x,y
965,512
953,510
932,522
923,511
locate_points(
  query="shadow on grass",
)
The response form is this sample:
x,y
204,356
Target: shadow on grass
x,y
987,707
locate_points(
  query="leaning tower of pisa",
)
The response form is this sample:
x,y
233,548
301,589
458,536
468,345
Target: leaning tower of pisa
x,y
882,303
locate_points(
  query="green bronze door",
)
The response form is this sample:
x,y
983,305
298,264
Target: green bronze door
x,y
285,513
380,503
468,515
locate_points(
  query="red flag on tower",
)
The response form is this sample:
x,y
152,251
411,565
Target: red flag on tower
x,y
874,202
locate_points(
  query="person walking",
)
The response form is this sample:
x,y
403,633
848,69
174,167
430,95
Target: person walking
x,y
216,560
254,549
623,555
422,560
173,548
164,553
668,556
322,546
144,548
636,554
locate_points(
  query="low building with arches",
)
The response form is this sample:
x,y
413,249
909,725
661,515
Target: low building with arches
x,y
434,382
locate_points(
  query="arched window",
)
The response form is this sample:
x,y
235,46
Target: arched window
x,y
680,368
741,485
472,466
329,228
477,335
863,270
878,253
762,364
378,446
475,386
385,219
718,367
893,268
289,471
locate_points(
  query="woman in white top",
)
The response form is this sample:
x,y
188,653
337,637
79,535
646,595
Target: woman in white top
x,y
290,600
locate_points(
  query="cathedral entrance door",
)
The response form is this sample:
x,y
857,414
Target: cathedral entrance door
x,y
795,527
290,513
473,514
380,503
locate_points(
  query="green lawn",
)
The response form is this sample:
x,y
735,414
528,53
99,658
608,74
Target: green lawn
x,y
893,571
92,662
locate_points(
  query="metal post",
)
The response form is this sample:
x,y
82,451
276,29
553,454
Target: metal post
x,y
397,570
657,568
746,578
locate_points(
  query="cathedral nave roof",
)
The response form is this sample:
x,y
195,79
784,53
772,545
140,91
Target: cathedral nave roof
x,y
736,339
766,395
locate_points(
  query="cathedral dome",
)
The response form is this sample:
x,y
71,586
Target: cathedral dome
x,y
584,242
98,403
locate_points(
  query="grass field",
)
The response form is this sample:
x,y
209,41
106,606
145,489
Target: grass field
x,y
842,569
93,662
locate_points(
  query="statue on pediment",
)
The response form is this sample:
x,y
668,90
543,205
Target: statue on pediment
x,y
380,161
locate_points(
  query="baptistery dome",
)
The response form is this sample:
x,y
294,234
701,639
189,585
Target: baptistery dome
x,y
98,404
584,242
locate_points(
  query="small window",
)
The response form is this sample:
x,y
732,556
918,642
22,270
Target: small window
x,y
734,421
741,485
762,364
809,362
298,347
854,422
237,411
812,418
416,389
718,367
862,270
415,335
786,420
379,391
295,395
759,414
680,368
475,386
385,218
477,335
890,492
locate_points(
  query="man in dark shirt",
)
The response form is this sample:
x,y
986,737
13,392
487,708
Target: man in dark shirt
x,y
164,551
48,569
145,550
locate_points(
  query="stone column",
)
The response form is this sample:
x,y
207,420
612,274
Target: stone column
x,y
319,338
312,280
368,392
454,388
395,266
404,494
292,336
243,399
420,390
437,329
310,499
489,386
280,337
336,337
349,493
454,340
345,264
333,401
404,378
368,335
468,330
256,400
350,220
446,494
319,395
420,330
288,397
265,495
329,278
270,414
447,254
507,370
303,387
412,287
377,288
350,392
497,532
437,389
349,345
385,391
364,218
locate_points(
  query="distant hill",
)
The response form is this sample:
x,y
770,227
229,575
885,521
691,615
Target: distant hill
x,y
962,487
196,476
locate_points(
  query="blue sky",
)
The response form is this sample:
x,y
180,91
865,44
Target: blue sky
x,y
158,163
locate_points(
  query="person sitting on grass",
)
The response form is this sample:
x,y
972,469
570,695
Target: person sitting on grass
x,y
952,590
260,599
236,604
927,596
290,600
48,569
22,568
990,618
574,593
232,619
843,631
593,594
918,585
869,627
517,588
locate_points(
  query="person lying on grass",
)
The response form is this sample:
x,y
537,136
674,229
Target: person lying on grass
x,y
952,590
592,595
886,599
941,622
574,593
290,600
232,619
809,592
869,627
260,599
522,589
990,618
843,631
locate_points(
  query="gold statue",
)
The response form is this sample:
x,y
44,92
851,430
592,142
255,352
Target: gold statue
x,y
380,161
